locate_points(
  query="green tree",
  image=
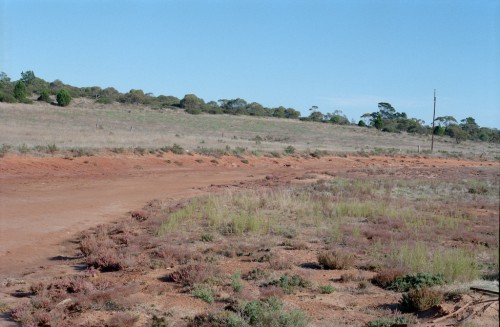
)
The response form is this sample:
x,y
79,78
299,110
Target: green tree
x,y
28,77
63,98
20,91
279,112
191,101
378,122
44,96
292,113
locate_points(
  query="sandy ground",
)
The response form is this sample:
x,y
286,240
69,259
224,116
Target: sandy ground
x,y
45,202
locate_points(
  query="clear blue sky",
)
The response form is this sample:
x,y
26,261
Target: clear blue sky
x,y
346,55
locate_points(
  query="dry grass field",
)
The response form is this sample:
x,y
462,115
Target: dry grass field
x,y
85,124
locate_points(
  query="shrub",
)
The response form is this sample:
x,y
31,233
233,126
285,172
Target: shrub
x,y
404,283
63,98
290,283
278,262
420,299
389,322
204,293
236,283
387,276
326,289
219,319
7,97
289,150
193,274
104,100
335,260
20,91
44,96
207,238
177,149
270,313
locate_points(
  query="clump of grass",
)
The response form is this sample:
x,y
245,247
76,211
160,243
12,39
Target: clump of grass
x,y
389,322
289,150
204,293
420,299
194,274
335,260
270,313
236,282
279,262
139,151
326,289
454,264
207,237
290,283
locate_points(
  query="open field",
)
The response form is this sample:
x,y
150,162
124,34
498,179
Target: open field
x,y
85,124
105,223
256,241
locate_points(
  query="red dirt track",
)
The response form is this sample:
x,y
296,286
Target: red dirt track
x,y
46,201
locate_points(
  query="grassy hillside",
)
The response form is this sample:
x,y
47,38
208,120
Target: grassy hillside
x,y
90,125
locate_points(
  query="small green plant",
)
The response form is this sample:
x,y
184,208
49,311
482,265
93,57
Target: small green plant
x,y
289,150
236,282
389,322
270,313
177,149
207,238
420,299
204,293
326,289
63,98
23,149
407,282
290,283
159,322
245,161
52,148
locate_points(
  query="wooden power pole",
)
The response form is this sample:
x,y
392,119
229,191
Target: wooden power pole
x,y
433,121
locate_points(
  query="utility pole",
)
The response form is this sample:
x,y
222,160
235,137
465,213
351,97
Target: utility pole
x,y
433,121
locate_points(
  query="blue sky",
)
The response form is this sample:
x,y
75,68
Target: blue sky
x,y
338,55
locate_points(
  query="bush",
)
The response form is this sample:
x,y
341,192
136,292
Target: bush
x,y
270,313
290,283
404,283
236,283
289,150
20,91
104,100
387,276
7,97
203,293
420,299
177,149
44,96
335,260
389,322
326,289
63,98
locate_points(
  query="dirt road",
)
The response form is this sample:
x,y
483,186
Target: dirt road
x,y
44,202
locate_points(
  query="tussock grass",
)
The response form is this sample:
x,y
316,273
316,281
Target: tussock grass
x,y
373,216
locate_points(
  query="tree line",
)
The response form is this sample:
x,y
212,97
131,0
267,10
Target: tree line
x,y
386,119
